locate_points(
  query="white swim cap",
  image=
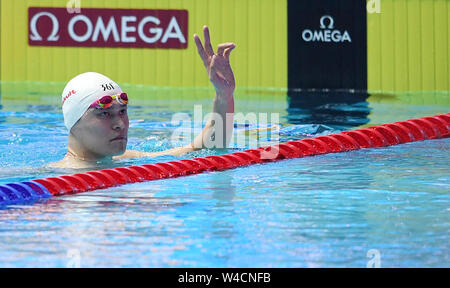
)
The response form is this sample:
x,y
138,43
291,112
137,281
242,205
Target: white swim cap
x,y
82,91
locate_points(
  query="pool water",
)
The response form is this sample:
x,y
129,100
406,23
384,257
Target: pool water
x,y
332,210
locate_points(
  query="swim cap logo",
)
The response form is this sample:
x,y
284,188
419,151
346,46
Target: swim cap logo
x,y
68,95
92,27
327,32
108,86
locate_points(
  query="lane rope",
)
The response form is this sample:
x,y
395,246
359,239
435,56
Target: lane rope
x,y
431,127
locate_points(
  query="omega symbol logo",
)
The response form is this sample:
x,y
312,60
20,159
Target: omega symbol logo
x,y
322,22
35,36
327,32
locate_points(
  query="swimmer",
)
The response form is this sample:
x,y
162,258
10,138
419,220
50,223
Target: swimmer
x,y
95,112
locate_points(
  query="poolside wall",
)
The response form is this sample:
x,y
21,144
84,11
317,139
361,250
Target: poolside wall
x,y
258,61
406,47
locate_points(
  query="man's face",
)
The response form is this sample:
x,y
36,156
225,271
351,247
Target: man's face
x,y
103,132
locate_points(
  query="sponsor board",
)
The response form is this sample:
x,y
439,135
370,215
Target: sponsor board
x,y
327,44
137,28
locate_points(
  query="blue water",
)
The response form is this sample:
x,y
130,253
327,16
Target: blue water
x,y
322,211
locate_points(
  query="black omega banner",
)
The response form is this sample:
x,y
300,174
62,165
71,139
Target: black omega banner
x,y
327,44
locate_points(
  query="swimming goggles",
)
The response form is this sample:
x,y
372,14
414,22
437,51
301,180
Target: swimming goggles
x,y
107,100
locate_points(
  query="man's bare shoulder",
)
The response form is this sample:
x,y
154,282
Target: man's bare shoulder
x,y
136,154
70,164
131,154
58,164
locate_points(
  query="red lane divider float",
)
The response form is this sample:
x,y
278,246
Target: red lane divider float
x,y
377,136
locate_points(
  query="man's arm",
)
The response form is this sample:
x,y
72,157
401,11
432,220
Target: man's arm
x,y
223,107
136,154
220,124
219,128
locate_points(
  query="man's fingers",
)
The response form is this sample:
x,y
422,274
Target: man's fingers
x,y
221,48
208,48
228,51
200,49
